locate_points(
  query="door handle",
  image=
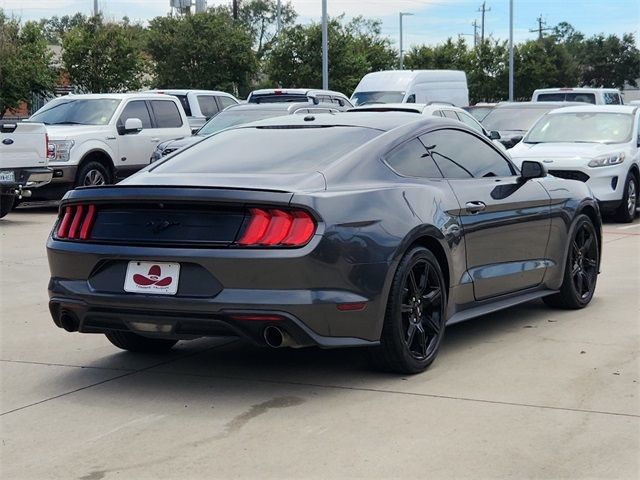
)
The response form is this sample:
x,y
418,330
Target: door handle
x,y
475,207
155,140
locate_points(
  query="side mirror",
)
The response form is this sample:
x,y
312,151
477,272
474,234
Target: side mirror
x,y
131,125
638,140
494,135
531,169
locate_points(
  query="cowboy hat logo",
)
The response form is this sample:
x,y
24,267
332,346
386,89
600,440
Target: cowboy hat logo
x,y
153,278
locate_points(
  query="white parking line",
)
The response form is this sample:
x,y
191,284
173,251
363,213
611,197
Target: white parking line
x,y
635,225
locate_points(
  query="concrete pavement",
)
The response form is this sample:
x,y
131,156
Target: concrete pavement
x,y
529,392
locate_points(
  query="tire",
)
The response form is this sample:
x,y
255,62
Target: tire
x,y
137,343
626,212
581,269
415,317
6,204
93,174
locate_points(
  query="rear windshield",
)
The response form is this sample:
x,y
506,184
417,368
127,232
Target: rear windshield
x,y
368,98
278,98
280,149
567,97
521,119
231,118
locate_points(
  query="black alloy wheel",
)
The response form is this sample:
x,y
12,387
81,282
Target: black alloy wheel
x,y
581,271
415,319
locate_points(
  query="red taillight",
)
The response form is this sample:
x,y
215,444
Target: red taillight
x,y
276,227
77,222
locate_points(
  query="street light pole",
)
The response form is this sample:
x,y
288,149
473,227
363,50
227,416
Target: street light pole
x,y
402,14
325,47
279,16
511,92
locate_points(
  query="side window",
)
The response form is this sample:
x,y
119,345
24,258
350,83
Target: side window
x,y
459,154
208,105
226,102
411,98
185,104
136,109
470,122
612,99
166,113
450,114
337,101
438,113
412,160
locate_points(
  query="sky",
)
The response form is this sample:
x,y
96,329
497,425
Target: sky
x,y
432,22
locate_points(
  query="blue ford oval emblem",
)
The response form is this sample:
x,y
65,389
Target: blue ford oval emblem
x,y
7,141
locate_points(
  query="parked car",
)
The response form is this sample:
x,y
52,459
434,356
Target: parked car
x,y
480,110
99,138
200,105
23,162
412,86
598,145
596,96
435,109
512,120
333,230
237,115
279,95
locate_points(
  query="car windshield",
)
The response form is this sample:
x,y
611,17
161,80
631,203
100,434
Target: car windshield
x,y
521,118
265,149
235,117
583,127
364,98
70,111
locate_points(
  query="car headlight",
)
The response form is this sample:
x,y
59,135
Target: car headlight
x,y
59,150
607,160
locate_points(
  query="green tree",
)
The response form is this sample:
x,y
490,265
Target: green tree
x,y
260,17
55,27
104,57
610,61
355,49
205,50
24,63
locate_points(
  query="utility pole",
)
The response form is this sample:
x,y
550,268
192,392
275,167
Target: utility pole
x,y
542,27
475,33
325,47
402,14
96,10
236,8
279,16
511,66
482,10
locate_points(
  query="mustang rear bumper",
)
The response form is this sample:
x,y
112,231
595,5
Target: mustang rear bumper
x,y
221,292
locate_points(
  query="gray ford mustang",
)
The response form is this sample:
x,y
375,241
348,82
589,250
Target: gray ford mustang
x,y
329,230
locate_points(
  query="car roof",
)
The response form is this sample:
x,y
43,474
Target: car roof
x,y
371,120
404,107
598,109
295,91
536,104
181,91
114,96
576,89
279,106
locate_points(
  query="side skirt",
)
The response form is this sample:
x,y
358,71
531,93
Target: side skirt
x,y
498,304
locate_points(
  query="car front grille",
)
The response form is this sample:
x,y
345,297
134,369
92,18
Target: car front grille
x,y
570,175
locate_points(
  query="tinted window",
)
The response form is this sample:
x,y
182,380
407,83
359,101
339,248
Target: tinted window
x,y
581,97
470,122
364,98
281,149
185,104
226,101
412,160
462,155
551,97
166,113
208,105
136,109
278,98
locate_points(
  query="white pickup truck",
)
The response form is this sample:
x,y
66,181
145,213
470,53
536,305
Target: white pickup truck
x,y
23,161
97,139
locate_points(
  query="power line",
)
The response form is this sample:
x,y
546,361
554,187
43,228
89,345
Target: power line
x,y
542,27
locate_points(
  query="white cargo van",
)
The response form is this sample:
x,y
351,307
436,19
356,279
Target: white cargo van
x,y
413,86
595,96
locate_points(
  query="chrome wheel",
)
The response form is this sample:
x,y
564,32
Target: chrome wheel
x,y
93,178
422,309
631,198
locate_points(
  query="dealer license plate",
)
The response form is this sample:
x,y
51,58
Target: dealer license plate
x,y
154,278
